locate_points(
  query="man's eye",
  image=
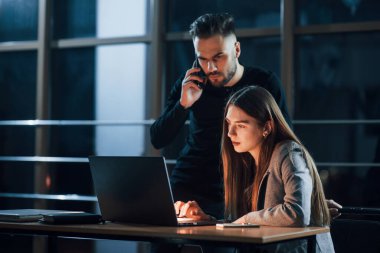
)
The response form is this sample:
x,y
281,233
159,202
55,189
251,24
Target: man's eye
x,y
216,58
241,126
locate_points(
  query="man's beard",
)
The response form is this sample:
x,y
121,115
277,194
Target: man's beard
x,y
230,74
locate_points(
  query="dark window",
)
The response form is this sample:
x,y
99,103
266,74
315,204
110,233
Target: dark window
x,y
18,20
262,52
74,19
337,79
337,76
247,13
326,11
17,85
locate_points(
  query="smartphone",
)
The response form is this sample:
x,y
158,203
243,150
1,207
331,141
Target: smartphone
x,y
201,74
237,225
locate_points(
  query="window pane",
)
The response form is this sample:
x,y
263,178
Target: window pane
x,y
72,88
121,18
17,85
102,18
70,178
327,11
120,95
352,186
18,20
22,174
341,143
120,85
262,52
72,98
345,144
64,178
71,141
338,77
17,140
74,18
180,57
247,13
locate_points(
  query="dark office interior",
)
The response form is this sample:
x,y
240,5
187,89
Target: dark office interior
x,y
88,77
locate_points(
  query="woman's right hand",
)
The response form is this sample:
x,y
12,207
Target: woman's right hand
x,y
190,209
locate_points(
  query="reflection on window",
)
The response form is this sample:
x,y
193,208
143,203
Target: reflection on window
x,y
337,78
338,11
247,13
339,70
18,20
121,18
120,95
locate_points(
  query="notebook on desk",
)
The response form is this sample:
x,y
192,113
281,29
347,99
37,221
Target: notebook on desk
x,y
29,215
135,190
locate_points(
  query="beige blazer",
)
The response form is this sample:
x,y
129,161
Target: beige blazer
x,y
285,194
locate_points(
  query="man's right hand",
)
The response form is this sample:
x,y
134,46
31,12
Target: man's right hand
x,y
190,92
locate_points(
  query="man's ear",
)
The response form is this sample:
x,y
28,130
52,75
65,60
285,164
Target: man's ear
x,y
237,49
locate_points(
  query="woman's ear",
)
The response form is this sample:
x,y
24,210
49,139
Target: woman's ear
x,y
268,127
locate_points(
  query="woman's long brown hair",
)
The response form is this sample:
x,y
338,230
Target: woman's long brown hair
x,y
242,177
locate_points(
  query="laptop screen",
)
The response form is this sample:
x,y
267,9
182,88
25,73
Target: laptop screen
x,y
133,189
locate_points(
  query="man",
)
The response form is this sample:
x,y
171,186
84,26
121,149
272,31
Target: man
x,y
197,174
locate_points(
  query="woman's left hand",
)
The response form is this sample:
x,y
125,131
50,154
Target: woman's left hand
x,y
333,208
241,220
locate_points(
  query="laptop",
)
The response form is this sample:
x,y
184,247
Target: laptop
x,y
136,190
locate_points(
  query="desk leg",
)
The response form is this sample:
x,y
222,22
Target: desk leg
x,y
312,244
52,244
40,244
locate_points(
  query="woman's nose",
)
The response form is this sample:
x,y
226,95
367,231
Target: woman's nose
x,y
231,132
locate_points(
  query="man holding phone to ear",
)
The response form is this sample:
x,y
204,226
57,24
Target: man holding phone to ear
x,y
201,99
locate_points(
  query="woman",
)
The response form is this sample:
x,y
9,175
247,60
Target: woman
x,y
269,176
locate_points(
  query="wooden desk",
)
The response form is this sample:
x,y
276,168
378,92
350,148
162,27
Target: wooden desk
x,y
236,237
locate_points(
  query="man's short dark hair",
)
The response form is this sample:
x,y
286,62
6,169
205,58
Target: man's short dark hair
x,y
209,25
